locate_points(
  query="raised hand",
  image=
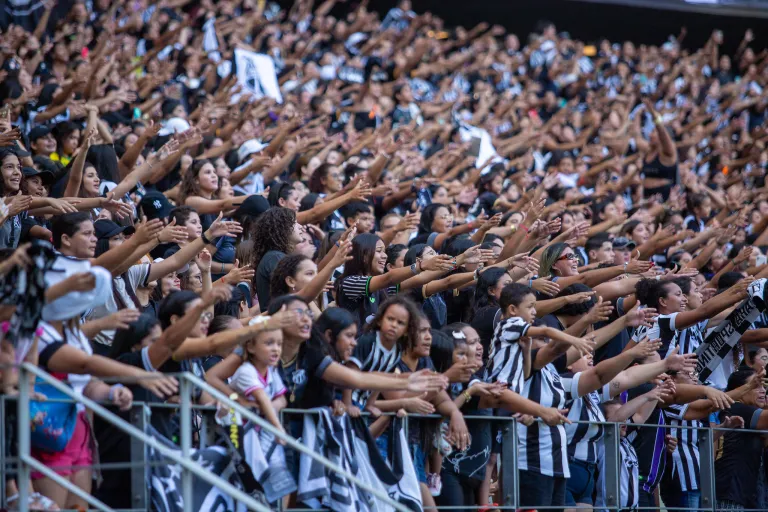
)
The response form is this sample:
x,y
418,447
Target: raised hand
x,y
585,345
203,261
119,209
579,298
173,233
680,363
283,318
426,381
121,319
218,293
645,349
441,262
147,230
641,317
239,274
546,286
343,254
600,312
221,227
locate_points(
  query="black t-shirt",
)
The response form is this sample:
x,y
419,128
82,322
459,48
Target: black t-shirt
x,y
264,274
615,345
459,304
471,463
737,467
317,392
353,294
414,424
162,419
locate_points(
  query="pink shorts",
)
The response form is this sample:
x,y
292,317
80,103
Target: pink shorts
x,y
76,453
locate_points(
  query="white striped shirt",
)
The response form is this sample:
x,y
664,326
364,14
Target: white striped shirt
x,y
371,356
506,358
541,448
583,439
685,459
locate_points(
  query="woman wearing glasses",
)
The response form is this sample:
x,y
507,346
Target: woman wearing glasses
x,y
559,261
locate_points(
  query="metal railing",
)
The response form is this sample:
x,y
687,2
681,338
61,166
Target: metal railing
x,y
140,441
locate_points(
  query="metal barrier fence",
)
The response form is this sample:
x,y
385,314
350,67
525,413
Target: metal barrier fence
x,y
138,465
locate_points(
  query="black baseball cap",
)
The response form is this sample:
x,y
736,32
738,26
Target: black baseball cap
x,y
38,132
45,175
253,206
623,243
155,205
106,229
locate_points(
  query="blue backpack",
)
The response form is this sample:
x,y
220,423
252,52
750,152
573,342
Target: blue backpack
x,y
52,422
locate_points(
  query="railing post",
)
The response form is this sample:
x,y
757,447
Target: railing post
x,y
509,474
186,439
22,412
3,469
139,416
612,459
707,469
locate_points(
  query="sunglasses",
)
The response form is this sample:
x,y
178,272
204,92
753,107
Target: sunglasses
x,y
570,256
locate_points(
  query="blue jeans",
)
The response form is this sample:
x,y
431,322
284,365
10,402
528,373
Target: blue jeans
x,y
417,455
682,499
581,485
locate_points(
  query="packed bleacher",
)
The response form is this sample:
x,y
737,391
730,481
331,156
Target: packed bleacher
x,y
376,217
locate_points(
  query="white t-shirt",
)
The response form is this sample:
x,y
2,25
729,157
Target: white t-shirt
x,y
137,276
51,341
248,379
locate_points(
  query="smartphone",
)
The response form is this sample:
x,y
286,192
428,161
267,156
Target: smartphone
x,y
474,147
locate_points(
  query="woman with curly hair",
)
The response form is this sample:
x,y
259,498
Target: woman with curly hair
x,y
275,235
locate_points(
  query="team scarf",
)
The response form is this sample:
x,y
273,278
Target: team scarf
x,y
719,344
348,443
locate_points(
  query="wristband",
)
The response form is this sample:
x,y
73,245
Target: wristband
x,y
112,391
524,227
414,269
467,396
205,239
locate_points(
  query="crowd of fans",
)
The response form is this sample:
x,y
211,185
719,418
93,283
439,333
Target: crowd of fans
x,y
542,229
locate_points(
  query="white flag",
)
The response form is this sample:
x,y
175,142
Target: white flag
x,y
256,73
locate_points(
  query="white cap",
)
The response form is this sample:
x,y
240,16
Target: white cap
x,y
174,125
248,148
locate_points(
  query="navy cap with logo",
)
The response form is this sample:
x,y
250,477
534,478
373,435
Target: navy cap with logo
x,y
106,229
623,243
155,205
38,132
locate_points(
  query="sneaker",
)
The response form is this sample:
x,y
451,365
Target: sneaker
x,y
434,484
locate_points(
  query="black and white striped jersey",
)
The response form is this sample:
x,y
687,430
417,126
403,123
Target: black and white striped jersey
x,y
685,459
629,478
664,329
541,448
505,362
691,338
584,439
371,356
